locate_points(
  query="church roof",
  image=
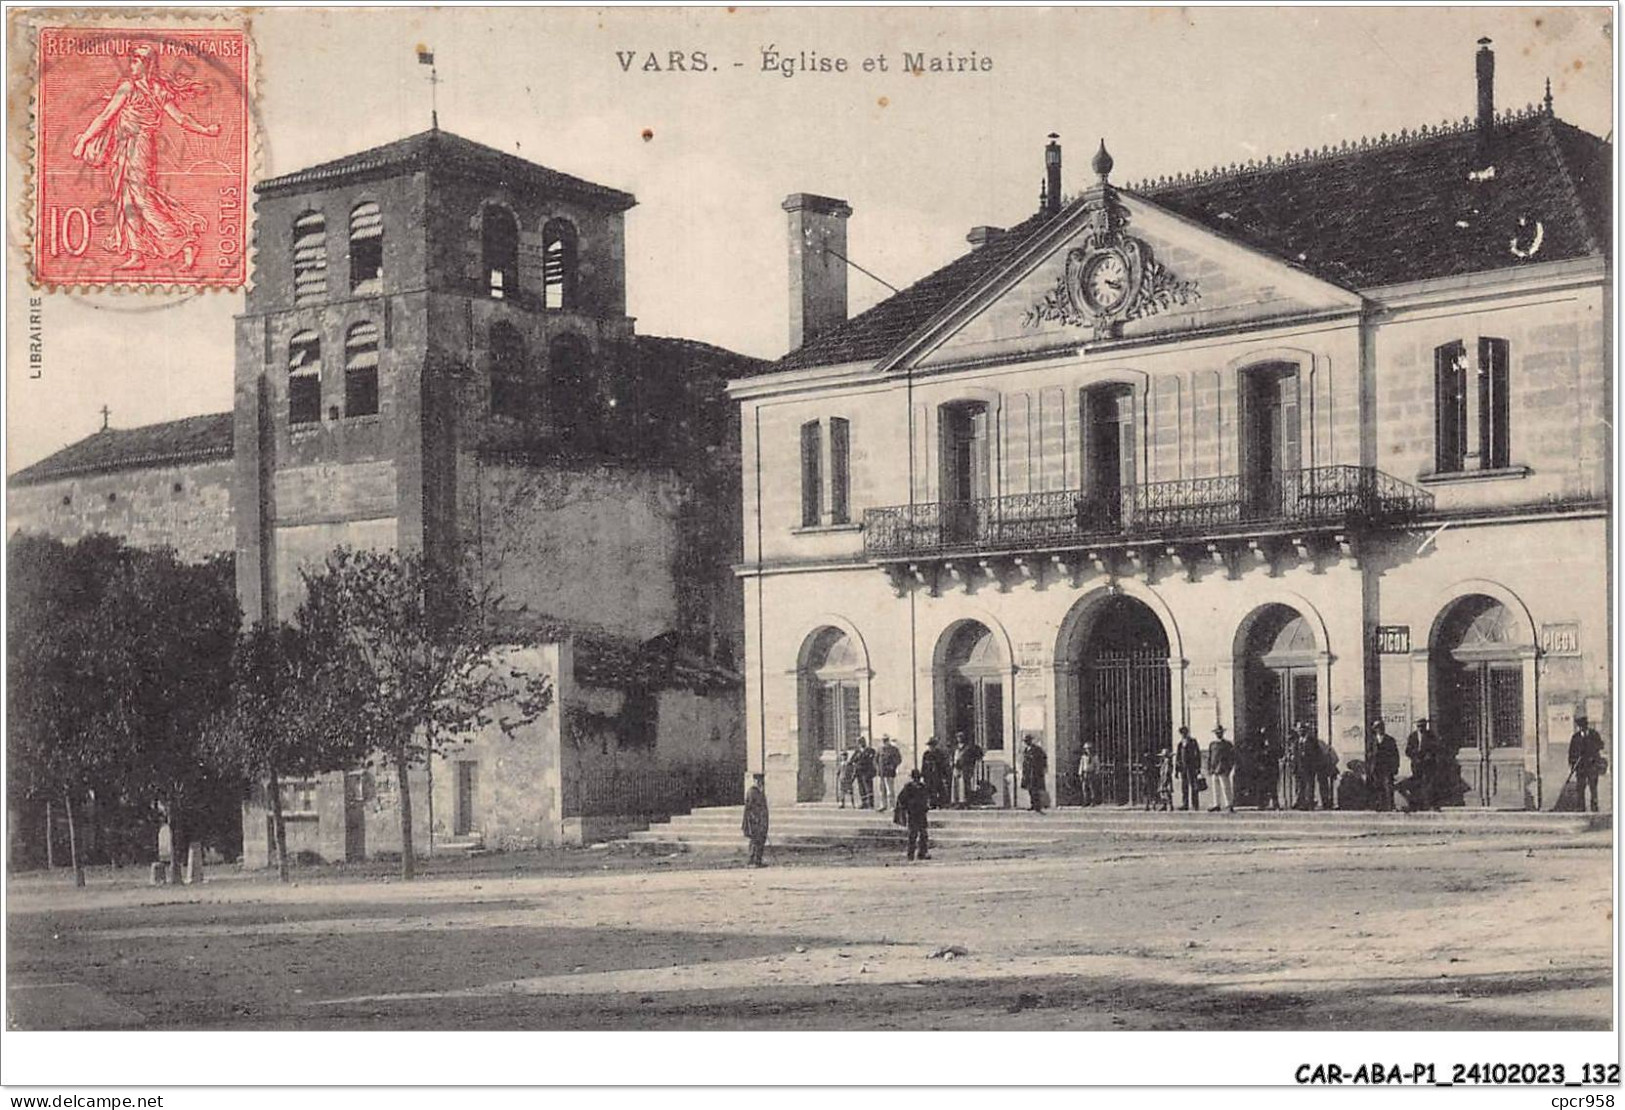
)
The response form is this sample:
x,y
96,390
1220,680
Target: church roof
x,y
442,150
174,442
1359,215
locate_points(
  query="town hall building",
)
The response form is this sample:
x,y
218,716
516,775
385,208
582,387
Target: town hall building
x,y
1318,439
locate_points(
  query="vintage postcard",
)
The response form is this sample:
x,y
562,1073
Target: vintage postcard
x,y
1018,525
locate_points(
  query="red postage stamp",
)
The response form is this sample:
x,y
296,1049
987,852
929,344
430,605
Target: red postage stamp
x,y
141,156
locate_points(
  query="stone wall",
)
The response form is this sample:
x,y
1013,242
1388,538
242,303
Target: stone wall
x,y
187,507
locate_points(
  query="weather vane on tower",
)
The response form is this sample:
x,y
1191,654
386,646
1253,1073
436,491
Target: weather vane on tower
x,y
426,58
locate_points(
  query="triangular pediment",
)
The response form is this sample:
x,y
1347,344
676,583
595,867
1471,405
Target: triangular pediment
x,y
1118,267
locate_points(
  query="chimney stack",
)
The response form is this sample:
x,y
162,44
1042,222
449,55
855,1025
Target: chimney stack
x,y
981,235
1486,87
1052,175
817,265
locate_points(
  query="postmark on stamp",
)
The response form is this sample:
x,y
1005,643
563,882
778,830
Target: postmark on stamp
x,y
142,154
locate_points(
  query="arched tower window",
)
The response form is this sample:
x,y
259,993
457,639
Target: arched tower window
x,y
499,247
304,378
571,393
510,392
559,264
309,257
366,248
361,369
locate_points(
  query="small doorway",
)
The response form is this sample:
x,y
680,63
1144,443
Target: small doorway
x,y
1478,694
975,669
1279,671
462,815
1108,454
966,454
1271,444
831,709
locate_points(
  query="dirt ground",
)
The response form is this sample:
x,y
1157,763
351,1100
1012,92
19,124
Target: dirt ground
x,y
1502,932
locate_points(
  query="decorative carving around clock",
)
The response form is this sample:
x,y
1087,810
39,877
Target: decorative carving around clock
x,y
1110,277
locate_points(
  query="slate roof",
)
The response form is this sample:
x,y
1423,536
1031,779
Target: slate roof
x,y
444,150
190,440
1360,216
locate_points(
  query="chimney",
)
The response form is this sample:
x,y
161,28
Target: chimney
x,y
1486,87
817,265
981,235
1052,175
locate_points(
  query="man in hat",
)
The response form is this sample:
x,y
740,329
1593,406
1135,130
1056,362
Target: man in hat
x,y
1188,766
1304,756
938,774
1034,766
914,809
1221,762
1088,769
864,767
754,825
967,758
891,758
1422,749
1384,765
1269,769
1586,760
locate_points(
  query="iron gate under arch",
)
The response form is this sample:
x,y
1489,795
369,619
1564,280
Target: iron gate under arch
x,y
1126,701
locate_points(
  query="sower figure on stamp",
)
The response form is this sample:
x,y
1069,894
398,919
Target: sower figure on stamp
x,y
1586,760
123,139
754,825
914,811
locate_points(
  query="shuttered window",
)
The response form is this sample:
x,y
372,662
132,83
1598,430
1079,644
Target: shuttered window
x,y
366,248
1494,407
361,369
839,471
812,474
1450,407
304,378
499,247
309,258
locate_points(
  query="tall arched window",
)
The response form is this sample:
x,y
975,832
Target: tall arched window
x,y
309,257
304,378
571,394
499,247
510,392
559,264
366,248
361,369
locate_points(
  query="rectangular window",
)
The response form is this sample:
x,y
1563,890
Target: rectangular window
x,y
361,391
812,474
1450,407
304,398
1494,408
839,471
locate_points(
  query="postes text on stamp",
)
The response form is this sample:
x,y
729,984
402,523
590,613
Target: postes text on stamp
x,y
141,157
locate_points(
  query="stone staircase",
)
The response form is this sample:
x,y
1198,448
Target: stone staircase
x,y
817,825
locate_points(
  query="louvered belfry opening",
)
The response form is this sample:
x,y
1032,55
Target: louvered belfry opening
x,y
361,369
304,378
366,248
309,258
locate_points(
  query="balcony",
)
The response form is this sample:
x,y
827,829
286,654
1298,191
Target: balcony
x,y
1322,498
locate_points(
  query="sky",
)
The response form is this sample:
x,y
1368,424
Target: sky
x,y
711,153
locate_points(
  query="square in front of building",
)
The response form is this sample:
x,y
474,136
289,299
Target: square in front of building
x,y
141,156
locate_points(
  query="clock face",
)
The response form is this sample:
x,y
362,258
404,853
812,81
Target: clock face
x,y
1106,281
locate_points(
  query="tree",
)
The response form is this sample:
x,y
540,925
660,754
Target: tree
x,y
413,657
282,720
162,648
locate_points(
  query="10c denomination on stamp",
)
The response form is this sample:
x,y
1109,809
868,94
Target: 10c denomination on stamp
x,y
142,140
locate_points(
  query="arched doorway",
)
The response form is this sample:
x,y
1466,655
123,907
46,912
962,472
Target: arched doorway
x,y
1476,663
1116,661
1278,671
971,686
830,678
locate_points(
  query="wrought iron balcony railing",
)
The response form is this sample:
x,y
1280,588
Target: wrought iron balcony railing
x,y
1320,497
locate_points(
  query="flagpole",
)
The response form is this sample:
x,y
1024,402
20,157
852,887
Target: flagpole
x,y
434,98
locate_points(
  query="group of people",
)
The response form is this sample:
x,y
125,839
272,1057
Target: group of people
x,y
948,776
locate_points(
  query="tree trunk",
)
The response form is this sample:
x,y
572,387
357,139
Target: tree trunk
x,y
50,840
177,846
279,828
408,861
73,841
